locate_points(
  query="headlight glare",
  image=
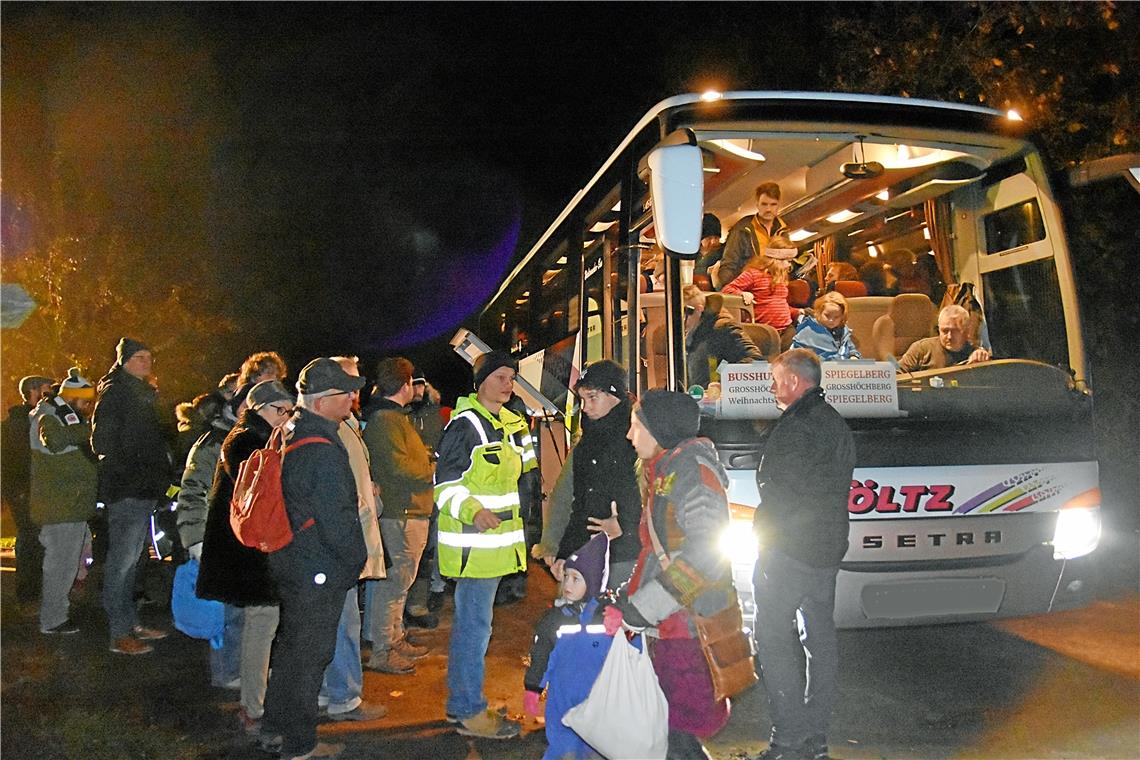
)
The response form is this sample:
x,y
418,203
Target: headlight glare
x,y
1077,532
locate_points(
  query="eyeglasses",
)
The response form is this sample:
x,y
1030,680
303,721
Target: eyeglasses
x,y
689,311
339,393
282,410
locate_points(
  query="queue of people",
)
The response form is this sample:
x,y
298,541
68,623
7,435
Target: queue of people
x,y
632,535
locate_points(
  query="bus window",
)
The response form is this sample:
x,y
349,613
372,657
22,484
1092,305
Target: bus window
x,y
1024,313
1014,226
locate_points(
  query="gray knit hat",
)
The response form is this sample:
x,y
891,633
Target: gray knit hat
x,y
127,348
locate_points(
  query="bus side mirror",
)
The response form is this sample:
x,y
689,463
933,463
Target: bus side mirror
x,y
1090,172
677,186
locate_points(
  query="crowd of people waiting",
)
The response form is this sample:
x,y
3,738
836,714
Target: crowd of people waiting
x,y
632,537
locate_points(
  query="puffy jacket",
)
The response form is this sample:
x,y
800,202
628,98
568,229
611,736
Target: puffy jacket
x,y
197,478
134,459
63,476
804,479
687,500
482,456
815,337
605,470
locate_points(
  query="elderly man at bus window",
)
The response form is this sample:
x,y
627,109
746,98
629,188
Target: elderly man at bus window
x,y
950,347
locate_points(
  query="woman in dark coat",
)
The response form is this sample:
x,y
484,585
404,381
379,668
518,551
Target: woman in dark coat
x,y
236,574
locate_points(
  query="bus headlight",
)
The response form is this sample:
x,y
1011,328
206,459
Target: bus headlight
x,y
1077,533
738,542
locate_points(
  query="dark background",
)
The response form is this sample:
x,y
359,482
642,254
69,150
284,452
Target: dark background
x,y
216,179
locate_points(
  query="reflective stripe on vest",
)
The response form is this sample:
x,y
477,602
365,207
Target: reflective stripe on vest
x,y
568,630
481,540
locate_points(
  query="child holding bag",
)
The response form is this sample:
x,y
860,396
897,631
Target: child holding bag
x,y
569,648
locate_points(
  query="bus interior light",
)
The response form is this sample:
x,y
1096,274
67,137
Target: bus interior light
x,y
839,217
710,96
740,148
1013,115
1077,532
799,235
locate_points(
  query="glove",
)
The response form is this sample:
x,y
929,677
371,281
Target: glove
x,y
612,618
530,703
195,551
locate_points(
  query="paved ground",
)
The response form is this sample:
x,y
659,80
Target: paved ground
x,y
1063,685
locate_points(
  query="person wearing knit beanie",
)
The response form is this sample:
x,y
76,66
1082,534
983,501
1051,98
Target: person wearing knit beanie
x,y
592,562
75,386
669,416
127,348
487,363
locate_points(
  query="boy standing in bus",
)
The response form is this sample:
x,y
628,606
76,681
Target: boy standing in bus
x,y
749,237
801,523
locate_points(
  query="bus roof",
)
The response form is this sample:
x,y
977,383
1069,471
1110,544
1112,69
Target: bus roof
x,y
744,95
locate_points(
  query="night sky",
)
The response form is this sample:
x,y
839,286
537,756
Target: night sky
x,y
370,171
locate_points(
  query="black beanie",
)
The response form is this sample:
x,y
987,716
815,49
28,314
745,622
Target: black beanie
x,y
670,416
710,226
487,363
127,348
605,376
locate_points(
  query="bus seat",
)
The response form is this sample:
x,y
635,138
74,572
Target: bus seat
x,y
799,294
851,288
862,312
766,338
909,317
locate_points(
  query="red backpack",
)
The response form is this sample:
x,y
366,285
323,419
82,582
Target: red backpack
x,y
257,508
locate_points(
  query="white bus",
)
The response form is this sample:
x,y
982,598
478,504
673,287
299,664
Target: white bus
x,y
975,493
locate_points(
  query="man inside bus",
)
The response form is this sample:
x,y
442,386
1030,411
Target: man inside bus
x,y
750,235
951,346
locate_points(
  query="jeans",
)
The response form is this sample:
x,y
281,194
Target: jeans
x,y
225,663
256,643
404,542
63,550
470,634
128,522
796,645
306,640
344,677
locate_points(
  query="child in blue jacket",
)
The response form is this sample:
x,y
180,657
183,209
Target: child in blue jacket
x,y
570,646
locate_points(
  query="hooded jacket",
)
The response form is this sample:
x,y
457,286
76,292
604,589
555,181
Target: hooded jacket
x,y
744,240
687,501
63,477
134,458
605,470
814,336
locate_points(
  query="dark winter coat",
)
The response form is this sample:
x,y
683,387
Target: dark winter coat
x,y
605,471
134,456
231,572
804,478
320,497
716,336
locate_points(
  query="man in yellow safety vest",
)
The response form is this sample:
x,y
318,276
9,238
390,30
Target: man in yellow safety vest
x,y
484,451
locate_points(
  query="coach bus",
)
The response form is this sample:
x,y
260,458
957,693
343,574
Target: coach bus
x,y
975,493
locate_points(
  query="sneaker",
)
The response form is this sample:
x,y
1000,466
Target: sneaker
x,y
322,749
362,712
501,710
429,620
488,724
392,662
65,628
410,651
130,645
268,742
142,633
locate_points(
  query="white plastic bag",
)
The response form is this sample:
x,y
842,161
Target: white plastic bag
x,y
625,717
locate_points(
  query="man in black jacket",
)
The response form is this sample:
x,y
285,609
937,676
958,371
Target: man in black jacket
x,y
16,472
314,572
804,478
134,474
